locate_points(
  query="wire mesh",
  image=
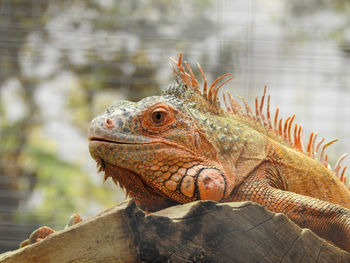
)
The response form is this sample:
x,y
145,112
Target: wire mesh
x,y
59,59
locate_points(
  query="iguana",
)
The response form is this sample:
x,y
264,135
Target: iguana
x,y
183,146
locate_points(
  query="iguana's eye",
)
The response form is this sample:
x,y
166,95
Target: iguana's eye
x,y
158,116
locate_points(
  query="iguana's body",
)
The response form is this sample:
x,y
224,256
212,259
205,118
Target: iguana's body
x,y
182,146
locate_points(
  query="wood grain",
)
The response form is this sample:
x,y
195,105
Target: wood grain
x,y
202,231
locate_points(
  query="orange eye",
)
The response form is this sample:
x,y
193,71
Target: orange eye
x,y
158,116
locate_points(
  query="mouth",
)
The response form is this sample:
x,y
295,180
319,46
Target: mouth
x,y
96,139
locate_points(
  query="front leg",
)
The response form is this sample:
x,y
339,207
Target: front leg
x,y
329,221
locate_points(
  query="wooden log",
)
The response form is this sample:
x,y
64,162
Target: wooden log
x,y
202,231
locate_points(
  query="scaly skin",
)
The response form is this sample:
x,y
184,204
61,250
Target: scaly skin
x,y
182,146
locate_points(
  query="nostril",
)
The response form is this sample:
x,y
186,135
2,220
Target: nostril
x,y
109,123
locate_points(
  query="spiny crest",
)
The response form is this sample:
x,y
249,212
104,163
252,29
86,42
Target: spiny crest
x,y
188,79
276,127
284,130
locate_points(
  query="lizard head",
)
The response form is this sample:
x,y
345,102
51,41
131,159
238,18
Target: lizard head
x,y
159,150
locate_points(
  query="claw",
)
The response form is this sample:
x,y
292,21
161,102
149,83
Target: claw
x,y
74,219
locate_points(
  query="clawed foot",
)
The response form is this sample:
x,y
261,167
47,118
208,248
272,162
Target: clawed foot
x,y
37,235
44,231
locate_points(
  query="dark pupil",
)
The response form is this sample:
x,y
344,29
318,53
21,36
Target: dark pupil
x,y
158,116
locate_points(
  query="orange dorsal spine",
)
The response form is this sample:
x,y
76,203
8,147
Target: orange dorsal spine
x,y
281,129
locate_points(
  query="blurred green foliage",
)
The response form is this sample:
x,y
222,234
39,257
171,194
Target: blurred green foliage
x,y
62,186
108,48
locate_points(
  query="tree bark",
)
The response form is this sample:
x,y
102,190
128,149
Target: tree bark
x,y
202,231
